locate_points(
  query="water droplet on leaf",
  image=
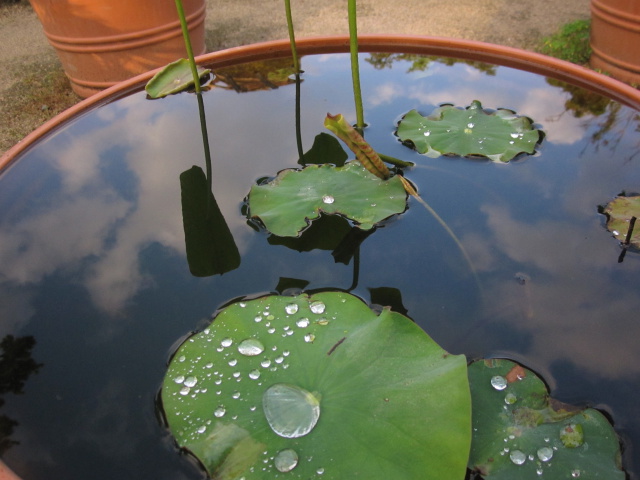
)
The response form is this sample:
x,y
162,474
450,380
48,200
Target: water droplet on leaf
x,y
179,379
498,382
254,374
303,323
226,342
291,411
328,199
190,381
572,435
286,460
518,457
291,308
250,347
220,411
545,454
317,307
309,337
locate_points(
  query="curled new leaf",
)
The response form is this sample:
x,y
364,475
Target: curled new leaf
x,y
358,145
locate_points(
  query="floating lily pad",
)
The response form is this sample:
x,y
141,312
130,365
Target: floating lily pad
x,y
499,135
519,432
320,387
173,78
619,213
294,198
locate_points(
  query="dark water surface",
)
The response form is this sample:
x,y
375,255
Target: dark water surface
x,y
92,254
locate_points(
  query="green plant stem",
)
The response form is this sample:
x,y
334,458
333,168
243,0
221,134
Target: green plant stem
x,y
355,69
196,81
187,44
298,118
205,140
292,36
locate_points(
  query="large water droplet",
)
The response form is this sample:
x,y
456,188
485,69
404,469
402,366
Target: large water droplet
x,y
545,454
179,379
303,323
290,410
185,391
317,307
572,435
190,381
254,374
265,363
328,199
291,308
498,382
250,347
220,411
226,342
518,457
286,460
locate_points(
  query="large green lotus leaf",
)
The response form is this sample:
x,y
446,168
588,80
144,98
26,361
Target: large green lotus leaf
x,y
287,204
499,135
173,78
518,432
619,213
324,380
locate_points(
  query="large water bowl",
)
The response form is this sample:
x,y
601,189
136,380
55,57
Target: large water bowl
x,y
93,265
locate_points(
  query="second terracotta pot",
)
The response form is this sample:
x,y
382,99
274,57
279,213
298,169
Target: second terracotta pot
x,y
102,43
615,38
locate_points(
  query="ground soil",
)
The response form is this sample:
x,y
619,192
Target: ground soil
x,y
33,87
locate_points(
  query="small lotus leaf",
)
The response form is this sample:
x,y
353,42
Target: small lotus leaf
x,y
322,386
619,213
518,432
173,78
294,198
500,135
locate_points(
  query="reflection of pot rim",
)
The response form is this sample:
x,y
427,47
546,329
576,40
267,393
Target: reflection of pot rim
x,y
434,46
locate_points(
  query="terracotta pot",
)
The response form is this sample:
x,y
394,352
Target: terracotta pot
x,y
615,38
102,43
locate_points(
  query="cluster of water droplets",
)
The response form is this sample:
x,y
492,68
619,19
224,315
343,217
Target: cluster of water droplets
x,y
569,436
290,410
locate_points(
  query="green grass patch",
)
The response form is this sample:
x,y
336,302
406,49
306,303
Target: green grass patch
x,y
571,43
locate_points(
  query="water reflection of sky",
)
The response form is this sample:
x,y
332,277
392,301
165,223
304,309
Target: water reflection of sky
x,y
92,251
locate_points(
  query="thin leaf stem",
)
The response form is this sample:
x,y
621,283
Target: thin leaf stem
x,y
187,44
355,69
292,36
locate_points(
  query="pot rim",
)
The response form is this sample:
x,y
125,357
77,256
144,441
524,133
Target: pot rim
x,y
424,45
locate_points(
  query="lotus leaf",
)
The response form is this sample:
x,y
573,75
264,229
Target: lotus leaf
x,y
518,432
320,387
173,78
619,213
499,135
287,204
